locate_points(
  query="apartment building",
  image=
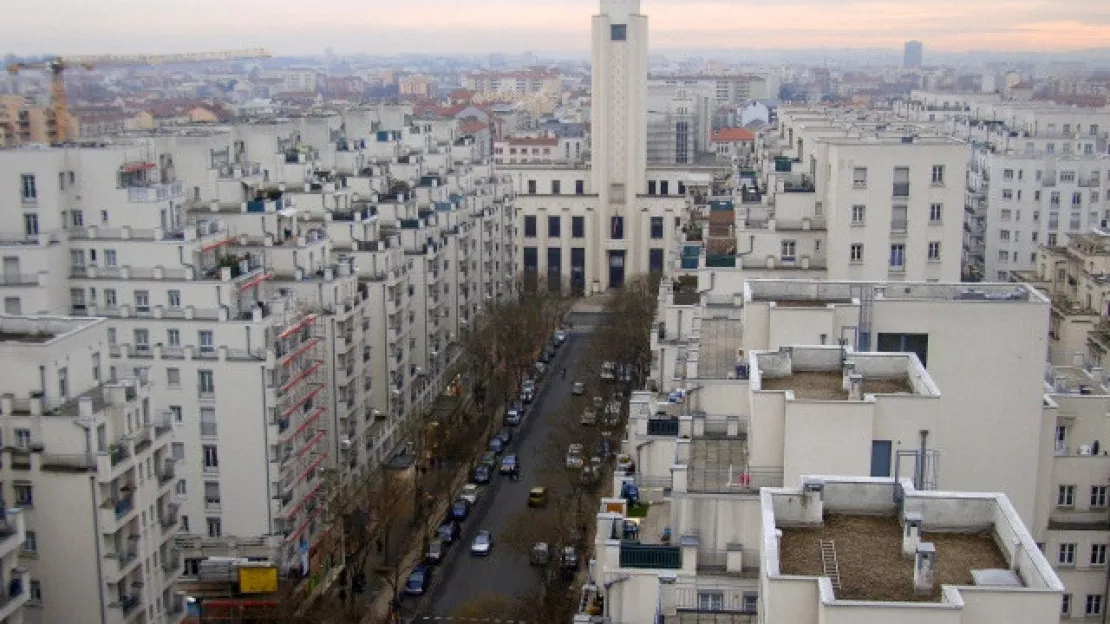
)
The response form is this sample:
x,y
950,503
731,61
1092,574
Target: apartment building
x,y
293,293
1035,176
842,198
16,580
496,85
90,463
735,375
727,89
835,549
678,123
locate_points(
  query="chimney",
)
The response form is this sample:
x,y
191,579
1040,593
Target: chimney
x,y
813,506
912,523
849,370
855,389
923,565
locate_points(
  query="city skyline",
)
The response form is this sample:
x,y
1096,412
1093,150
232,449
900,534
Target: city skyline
x,y
352,27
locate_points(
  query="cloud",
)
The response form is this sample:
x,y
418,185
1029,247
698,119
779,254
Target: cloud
x,y
444,26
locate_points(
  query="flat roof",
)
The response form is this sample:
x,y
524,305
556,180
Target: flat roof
x,y
869,557
41,329
828,385
718,343
782,290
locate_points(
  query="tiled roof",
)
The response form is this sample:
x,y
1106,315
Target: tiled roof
x,y
533,141
472,126
733,134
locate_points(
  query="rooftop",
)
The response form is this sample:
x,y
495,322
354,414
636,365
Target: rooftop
x,y
820,292
828,385
870,561
718,345
40,329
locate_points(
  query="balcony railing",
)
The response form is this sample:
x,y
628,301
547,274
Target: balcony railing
x,y
654,556
128,603
155,192
123,506
662,426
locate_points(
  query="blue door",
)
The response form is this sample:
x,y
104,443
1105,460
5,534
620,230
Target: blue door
x,y
880,458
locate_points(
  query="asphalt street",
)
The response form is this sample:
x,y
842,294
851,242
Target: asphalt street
x,y
462,577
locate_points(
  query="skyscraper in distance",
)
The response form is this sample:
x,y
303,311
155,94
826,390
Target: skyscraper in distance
x,y
913,54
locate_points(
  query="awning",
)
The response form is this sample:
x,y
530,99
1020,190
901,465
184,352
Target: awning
x,y
133,167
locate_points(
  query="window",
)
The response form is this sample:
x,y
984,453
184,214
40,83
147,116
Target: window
x,y
556,187
531,187
27,188
859,214
77,218
618,32
711,601
180,488
655,260
901,182
211,458
935,212
178,414
855,252
207,421
215,528
787,250
206,382
34,592
1007,174
1065,496
110,258
110,299
173,377
1098,496
579,187
30,542
1094,604
1007,194
938,175
63,383
142,301
1098,554
178,451
859,177
657,228
578,227
1066,554
898,257
22,438
1065,605
899,218
651,187
24,495
212,495
173,337
1003,235
554,225
1067,176
616,228
205,341
173,298
530,226
142,340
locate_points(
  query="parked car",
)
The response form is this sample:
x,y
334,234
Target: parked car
x,y
449,531
506,435
540,554
560,336
603,447
608,371
514,415
418,580
579,389
496,445
588,418
482,474
460,509
537,497
482,544
574,456
568,558
489,458
436,550
541,368
509,465
470,493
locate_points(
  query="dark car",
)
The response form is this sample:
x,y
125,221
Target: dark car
x,y
460,509
496,445
418,580
481,474
489,458
510,465
506,435
449,531
603,448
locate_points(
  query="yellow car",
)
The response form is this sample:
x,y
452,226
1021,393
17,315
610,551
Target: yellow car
x,y
537,497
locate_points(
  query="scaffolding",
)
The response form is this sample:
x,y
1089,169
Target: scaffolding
x,y
300,450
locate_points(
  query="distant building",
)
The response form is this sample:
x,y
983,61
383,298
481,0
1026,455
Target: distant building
x,y
913,55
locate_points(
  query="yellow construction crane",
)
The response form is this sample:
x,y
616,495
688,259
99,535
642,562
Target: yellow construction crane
x,y
57,66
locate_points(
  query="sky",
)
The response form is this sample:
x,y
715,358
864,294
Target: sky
x,y
384,27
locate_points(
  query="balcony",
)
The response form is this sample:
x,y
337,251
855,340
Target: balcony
x,y
155,192
128,603
144,439
651,556
171,561
118,454
168,472
663,427
168,517
15,594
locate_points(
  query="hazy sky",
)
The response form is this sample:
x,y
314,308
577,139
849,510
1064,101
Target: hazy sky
x,y
439,26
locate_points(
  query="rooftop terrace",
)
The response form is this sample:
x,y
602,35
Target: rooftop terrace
x,y
718,344
829,385
834,374
40,329
817,293
870,561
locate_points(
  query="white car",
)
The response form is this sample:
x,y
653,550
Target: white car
x,y
483,542
579,388
574,456
470,493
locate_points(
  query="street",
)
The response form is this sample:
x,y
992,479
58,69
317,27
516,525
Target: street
x,y
462,577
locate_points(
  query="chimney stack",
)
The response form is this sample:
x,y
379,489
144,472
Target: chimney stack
x,y
923,566
855,389
911,532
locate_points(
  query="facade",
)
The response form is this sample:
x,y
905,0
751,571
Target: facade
x,y
290,291
92,450
678,123
542,150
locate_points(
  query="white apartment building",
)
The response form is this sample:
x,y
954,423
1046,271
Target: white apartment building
x,y
678,123
291,303
16,579
920,390
842,199
90,464
542,150
1036,175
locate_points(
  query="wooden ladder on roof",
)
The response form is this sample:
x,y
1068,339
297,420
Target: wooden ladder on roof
x,y
829,565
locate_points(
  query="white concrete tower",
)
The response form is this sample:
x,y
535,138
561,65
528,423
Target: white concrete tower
x,y
618,116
